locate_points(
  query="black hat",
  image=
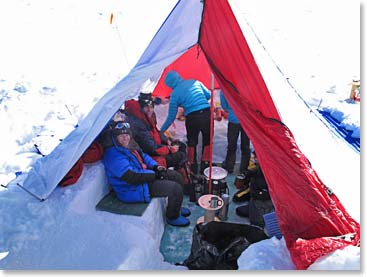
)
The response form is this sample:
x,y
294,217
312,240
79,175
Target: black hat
x,y
146,99
121,128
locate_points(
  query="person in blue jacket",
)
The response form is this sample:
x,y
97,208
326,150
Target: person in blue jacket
x,y
193,97
136,177
234,129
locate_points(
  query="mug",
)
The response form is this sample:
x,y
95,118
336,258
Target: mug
x,y
215,202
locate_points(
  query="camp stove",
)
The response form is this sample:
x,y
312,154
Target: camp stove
x,y
211,203
219,183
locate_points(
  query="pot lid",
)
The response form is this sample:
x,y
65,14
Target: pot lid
x,y
218,173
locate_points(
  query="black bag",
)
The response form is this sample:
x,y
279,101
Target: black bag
x,y
217,245
243,210
258,186
257,208
242,195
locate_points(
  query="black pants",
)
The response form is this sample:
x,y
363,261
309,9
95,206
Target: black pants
x,y
233,131
196,122
171,188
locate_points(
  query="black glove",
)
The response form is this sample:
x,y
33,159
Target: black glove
x,y
160,172
181,145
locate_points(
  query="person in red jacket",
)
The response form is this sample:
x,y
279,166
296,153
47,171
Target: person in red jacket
x,y
168,153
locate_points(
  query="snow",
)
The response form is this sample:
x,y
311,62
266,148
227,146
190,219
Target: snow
x,y
59,57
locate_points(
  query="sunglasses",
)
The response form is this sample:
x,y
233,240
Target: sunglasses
x,y
147,102
122,125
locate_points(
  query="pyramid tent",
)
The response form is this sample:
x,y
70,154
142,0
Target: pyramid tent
x,y
309,216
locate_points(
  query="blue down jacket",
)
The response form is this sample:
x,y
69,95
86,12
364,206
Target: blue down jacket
x,y
117,161
189,94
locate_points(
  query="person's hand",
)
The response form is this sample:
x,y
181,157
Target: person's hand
x,y
169,141
180,144
174,148
160,172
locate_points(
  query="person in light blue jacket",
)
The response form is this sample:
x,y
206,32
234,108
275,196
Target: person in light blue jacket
x,y
193,97
136,177
234,129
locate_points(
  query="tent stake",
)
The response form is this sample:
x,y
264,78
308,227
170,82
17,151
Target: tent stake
x,y
35,196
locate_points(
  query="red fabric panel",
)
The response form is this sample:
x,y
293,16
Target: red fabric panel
x,y
93,153
306,252
73,175
221,35
303,207
190,65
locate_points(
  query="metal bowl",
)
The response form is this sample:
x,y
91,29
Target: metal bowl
x,y
218,173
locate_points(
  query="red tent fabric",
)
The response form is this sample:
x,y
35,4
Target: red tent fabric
x,y
308,215
306,212
190,65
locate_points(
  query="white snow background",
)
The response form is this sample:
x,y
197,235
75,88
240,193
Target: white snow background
x,y
57,58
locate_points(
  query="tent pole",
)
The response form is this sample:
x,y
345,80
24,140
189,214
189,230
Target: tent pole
x,y
211,134
35,196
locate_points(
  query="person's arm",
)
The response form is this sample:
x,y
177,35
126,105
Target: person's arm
x,y
164,139
147,143
119,165
134,178
165,150
172,111
149,161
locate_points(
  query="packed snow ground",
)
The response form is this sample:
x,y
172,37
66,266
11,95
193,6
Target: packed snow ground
x,y
59,57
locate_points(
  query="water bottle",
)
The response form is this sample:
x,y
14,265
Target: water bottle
x,y
192,185
198,191
215,187
223,188
223,213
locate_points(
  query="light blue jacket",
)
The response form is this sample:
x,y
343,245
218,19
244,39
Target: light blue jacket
x,y
225,106
191,95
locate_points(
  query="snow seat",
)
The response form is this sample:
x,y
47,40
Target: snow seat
x,y
110,203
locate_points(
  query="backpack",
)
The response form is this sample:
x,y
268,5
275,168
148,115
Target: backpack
x,y
258,186
73,175
260,202
217,245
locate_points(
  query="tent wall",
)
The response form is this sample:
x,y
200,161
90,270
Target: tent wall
x,y
47,172
315,139
304,207
190,65
176,35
